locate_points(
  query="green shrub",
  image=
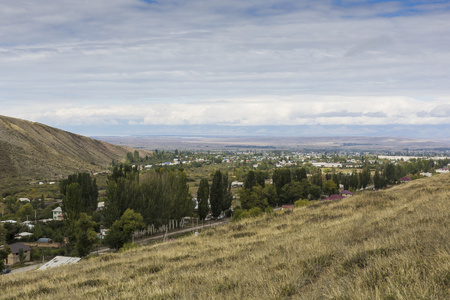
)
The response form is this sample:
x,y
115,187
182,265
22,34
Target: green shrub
x,y
128,246
269,210
254,212
301,203
237,214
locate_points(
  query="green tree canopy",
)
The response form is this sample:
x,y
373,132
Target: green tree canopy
x,y
300,174
314,192
216,194
72,206
122,229
4,252
280,178
330,187
24,211
85,234
88,194
202,198
293,191
316,178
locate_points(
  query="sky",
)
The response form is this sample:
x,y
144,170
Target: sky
x,y
127,67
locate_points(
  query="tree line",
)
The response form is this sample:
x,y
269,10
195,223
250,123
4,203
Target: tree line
x,y
159,195
216,198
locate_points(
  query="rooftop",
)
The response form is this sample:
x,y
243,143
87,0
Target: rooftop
x,y
17,246
60,261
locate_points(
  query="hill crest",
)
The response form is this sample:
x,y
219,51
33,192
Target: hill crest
x,y
34,151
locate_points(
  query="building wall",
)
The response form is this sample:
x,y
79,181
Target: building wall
x,y
14,258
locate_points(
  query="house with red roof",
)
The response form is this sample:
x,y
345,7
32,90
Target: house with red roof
x,y
405,179
287,206
345,193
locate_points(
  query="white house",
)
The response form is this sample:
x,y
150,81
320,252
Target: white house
x,y
100,205
23,235
426,174
443,170
57,214
236,184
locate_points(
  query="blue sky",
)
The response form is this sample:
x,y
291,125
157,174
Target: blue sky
x,y
90,66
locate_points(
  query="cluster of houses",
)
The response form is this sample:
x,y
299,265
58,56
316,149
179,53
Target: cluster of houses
x,y
443,170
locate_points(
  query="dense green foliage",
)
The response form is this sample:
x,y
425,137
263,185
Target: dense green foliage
x,y
84,194
4,252
280,178
220,193
122,229
202,199
85,234
159,196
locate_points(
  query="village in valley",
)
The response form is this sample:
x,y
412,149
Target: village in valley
x,y
42,228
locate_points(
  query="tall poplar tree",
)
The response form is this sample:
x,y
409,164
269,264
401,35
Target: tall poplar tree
x,y
202,199
216,195
88,190
227,197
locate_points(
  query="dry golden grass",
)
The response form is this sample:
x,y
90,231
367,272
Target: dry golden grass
x,y
31,151
381,245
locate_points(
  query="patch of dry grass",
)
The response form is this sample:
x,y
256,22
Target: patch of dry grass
x,y
381,245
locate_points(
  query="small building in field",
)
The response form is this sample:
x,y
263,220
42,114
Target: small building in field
x,y
287,207
45,240
442,170
9,221
22,235
24,200
346,193
58,261
14,256
237,184
405,179
426,174
100,206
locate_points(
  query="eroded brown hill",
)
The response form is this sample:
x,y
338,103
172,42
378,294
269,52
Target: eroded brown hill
x,y
33,151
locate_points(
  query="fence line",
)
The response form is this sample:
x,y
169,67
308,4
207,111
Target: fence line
x,y
171,225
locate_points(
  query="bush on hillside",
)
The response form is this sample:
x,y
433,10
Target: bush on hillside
x,y
254,212
301,203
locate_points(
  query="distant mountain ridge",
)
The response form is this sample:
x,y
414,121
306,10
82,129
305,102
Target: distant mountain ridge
x,y
33,151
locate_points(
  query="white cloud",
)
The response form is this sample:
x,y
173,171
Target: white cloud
x,y
264,110
299,62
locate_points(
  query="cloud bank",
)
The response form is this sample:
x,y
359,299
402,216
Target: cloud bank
x,y
246,63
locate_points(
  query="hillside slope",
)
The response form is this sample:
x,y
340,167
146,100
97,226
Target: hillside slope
x,y
392,244
33,151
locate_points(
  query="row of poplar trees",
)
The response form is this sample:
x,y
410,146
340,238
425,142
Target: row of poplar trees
x,y
159,196
216,198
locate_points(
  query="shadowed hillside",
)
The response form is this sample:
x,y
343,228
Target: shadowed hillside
x,y
33,151
392,244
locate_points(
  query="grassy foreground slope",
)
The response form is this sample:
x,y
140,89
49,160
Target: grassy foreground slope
x,y
390,244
